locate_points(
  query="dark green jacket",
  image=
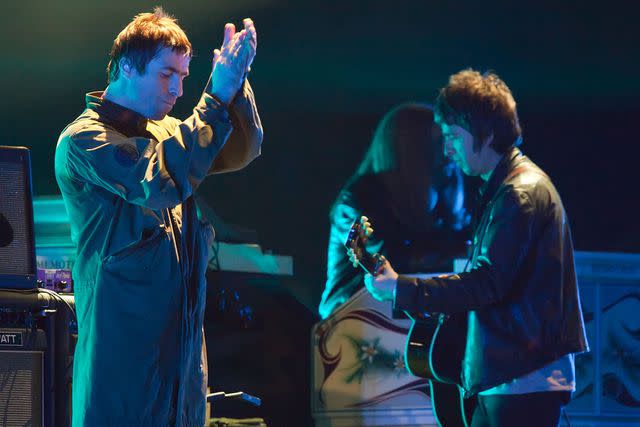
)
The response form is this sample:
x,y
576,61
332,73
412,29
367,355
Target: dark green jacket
x,y
139,274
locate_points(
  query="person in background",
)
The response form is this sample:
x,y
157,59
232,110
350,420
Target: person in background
x,y
411,193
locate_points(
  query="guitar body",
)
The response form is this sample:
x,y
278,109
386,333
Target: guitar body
x,y
435,346
449,406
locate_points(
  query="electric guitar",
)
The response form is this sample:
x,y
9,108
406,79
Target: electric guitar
x,y
435,344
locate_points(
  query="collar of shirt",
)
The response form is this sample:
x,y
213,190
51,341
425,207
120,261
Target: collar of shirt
x,y
127,121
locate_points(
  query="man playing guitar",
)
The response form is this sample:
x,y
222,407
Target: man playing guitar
x,y
519,295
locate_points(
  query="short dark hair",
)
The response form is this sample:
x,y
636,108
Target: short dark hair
x,y
143,38
483,105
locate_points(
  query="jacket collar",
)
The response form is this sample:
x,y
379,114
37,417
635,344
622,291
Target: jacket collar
x,y
506,165
123,119
487,191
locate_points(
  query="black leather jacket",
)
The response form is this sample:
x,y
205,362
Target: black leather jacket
x,y
521,292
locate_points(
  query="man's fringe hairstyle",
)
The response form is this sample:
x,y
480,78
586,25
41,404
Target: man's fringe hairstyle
x,y
141,40
483,105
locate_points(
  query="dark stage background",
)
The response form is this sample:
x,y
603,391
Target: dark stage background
x,y
327,71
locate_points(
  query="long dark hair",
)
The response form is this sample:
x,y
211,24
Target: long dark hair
x,y
406,156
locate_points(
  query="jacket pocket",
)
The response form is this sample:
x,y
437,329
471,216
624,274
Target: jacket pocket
x,y
141,260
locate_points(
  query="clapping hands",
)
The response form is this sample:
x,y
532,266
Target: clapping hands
x,y
233,60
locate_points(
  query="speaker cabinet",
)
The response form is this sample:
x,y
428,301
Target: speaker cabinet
x,y
17,246
22,375
36,355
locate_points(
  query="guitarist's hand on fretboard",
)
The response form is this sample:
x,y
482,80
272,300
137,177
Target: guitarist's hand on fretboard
x,y
382,286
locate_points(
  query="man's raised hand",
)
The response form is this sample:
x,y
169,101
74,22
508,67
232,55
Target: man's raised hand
x,y
233,60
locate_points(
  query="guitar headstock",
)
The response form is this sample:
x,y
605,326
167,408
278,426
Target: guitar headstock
x,y
355,242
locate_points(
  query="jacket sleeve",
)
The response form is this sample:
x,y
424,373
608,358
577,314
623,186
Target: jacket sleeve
x,y
141,170
504,246
245,141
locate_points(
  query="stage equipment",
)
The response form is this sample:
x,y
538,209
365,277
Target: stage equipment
x,y
36,355
17,245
